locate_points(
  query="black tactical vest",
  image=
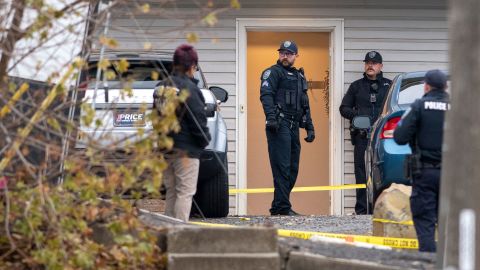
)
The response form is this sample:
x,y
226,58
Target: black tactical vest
x,y
292,91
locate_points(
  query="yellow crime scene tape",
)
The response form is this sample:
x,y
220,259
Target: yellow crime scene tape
x,y
297,189
403,243
409,222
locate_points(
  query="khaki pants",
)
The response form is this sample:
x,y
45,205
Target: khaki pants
x,y
180,180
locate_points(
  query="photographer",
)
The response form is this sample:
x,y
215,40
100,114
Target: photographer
x,y
364,97
181,175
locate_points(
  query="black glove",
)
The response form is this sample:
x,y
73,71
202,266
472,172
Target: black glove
x,y
310,136
272,125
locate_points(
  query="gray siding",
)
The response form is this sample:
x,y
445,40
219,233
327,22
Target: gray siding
x,y
411,35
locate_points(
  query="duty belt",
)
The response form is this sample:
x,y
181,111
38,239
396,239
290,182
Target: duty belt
x,y
292,119
431,166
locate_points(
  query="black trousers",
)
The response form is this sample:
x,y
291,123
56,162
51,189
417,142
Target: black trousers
x,y
360,175
284,153
424,206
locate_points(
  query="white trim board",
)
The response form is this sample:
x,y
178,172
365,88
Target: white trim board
x,y
336,29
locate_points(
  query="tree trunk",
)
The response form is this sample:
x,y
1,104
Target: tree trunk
x,y
7,45
460,186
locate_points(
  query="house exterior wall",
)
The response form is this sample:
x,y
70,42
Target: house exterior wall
x,y
411,35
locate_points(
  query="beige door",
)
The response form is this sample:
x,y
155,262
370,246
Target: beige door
x,y
314,159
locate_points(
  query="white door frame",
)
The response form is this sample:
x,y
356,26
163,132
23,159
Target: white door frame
x,y
336,29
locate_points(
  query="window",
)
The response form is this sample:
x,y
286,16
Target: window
x,y
410,92
413,89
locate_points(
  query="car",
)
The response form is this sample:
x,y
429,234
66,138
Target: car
x,y
384,159
122,117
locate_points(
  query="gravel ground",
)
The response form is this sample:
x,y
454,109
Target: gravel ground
x,y
394,259
360,225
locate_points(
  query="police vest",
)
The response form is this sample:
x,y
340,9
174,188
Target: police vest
x,y
291,94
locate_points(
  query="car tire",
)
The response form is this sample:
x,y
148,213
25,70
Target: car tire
x,y
212,195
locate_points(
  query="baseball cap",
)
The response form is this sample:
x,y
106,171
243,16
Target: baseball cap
x,y
288,45
436,79
373,56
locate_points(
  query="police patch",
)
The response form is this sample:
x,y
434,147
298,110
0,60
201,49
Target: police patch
x,y
265,84
372,54
266,74
287,44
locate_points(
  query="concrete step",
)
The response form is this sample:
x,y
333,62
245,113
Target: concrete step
x,y
192,239
308,261
217,261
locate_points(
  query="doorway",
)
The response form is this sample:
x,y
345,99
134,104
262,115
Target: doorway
x,y
314,169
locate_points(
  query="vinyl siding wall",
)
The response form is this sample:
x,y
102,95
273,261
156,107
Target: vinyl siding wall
x,y
411,35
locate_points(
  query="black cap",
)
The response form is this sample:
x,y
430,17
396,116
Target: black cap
x,y
373,56
436,79
288,45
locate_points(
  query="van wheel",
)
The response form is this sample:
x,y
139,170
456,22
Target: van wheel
x,y
212,195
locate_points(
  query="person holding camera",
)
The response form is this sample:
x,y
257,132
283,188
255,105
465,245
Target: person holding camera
x,y
181,175
422,127
284,98
364,97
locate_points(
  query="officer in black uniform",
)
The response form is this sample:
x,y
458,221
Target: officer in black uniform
x,y
422,127
284,98
364,97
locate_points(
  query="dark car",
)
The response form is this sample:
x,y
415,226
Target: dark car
x,y
384,158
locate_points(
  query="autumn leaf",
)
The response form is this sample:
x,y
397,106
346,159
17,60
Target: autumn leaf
x,y
122,65
155,75
117,254
192,37
25,151
147,45
235,4
54,124
211,19
92,213
109,42
110,75
104,64
145,8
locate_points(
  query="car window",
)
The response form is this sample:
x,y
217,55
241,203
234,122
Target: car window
x,y
140,71
410,92
199,77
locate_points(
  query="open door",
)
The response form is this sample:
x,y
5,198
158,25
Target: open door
x,y
314,159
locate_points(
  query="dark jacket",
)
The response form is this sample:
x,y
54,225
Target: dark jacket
x,y
285,88
422,125
194,135
357,100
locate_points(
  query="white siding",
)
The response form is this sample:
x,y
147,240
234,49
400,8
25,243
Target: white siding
x,y
410,34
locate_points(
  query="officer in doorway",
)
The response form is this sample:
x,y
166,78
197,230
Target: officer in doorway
x,y
364,97
284,98
422,127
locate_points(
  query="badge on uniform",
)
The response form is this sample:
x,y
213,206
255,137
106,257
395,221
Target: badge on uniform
x,y
287,44
266,74
265,83
372,54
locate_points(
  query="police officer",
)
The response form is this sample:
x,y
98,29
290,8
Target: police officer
x,y
284,98
422,127
364,97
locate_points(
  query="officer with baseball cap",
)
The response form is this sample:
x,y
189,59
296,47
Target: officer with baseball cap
x,y
422,127
284,98
364,98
